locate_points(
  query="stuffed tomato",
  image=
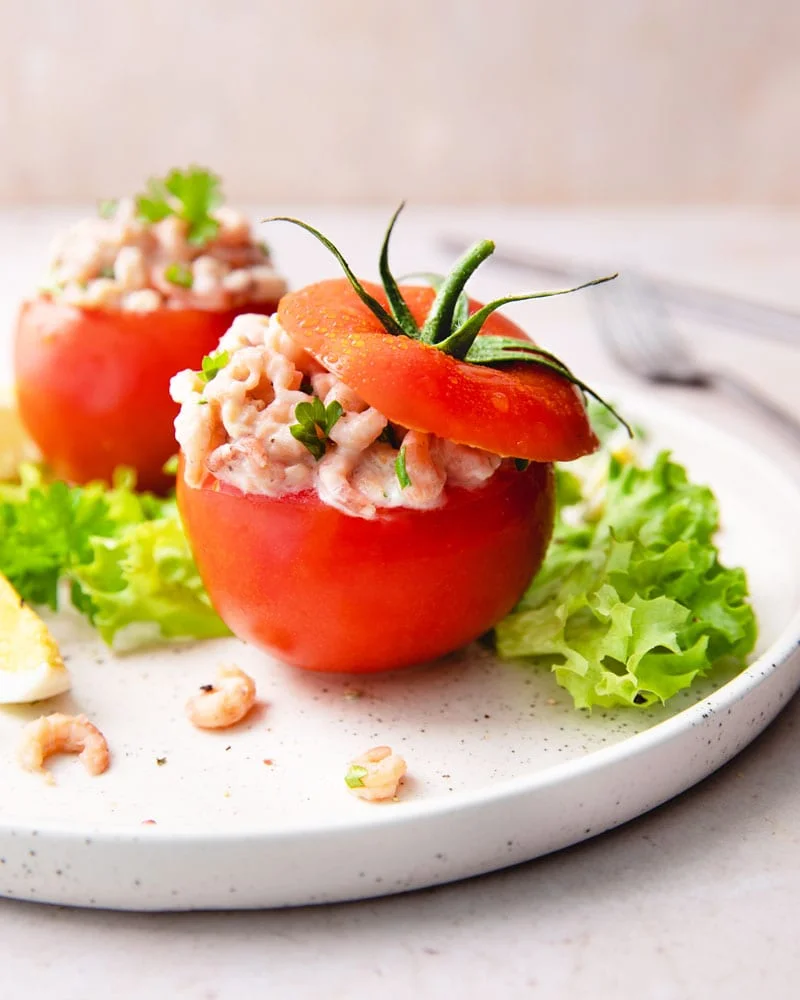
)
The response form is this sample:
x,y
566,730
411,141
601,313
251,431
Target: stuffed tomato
x,y
359,493
132,296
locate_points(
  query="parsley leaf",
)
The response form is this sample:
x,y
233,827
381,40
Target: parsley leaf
x,y
355,776
315,421
153,205
107,208
191,195
400,469
212,365
179,274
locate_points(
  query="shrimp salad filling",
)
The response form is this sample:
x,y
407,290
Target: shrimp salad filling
x,y
119,260
242,420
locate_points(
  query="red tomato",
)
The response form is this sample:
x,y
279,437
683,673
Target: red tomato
x,y
92,385
521,410
326,591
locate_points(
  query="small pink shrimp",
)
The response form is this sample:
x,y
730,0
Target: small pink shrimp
x,y
424,470
463,465
63,734
376,774
234,228
225,703
244,256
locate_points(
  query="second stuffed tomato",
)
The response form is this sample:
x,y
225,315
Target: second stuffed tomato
x,y
93,384
365,477
132,296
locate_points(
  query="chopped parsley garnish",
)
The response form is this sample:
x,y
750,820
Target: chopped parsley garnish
x,y
107,208
106,272
179,274
212,365
355,776
400,469
190,195
315,421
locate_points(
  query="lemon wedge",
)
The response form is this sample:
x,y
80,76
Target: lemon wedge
x,y
15,445
31,667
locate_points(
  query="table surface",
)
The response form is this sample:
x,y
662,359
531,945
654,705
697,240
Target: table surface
x,y
696,899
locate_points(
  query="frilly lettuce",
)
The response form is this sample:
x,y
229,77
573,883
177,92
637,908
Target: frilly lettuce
x,y
632,603
122,553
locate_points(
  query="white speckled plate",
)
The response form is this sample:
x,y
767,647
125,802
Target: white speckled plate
x,y
502,769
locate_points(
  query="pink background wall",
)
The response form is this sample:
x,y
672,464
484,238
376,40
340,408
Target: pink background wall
x,y
437,100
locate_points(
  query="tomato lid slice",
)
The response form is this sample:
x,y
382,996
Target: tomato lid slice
x,y
518,410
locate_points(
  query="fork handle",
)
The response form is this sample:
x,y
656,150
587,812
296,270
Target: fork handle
x,y
739,389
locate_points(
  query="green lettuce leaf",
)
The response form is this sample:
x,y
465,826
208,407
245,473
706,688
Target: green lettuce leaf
x,y
632,603
121,554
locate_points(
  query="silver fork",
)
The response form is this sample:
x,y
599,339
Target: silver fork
x,y
633,321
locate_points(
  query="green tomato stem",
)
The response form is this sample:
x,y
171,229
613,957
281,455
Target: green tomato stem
x,y
388,322
439,323
460,341
397,303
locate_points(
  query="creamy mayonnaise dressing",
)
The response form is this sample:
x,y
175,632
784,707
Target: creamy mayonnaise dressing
x,y
237,427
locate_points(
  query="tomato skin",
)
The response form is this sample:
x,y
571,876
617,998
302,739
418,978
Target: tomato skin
x,y
330,592
93,384
518,410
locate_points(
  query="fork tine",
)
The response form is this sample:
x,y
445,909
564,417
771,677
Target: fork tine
x,y
670,358
636,326
615,326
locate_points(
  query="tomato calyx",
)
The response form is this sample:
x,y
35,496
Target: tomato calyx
x,y
449,327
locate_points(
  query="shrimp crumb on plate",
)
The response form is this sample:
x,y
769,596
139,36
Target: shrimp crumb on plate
x,y
225,703
59,733
376,774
